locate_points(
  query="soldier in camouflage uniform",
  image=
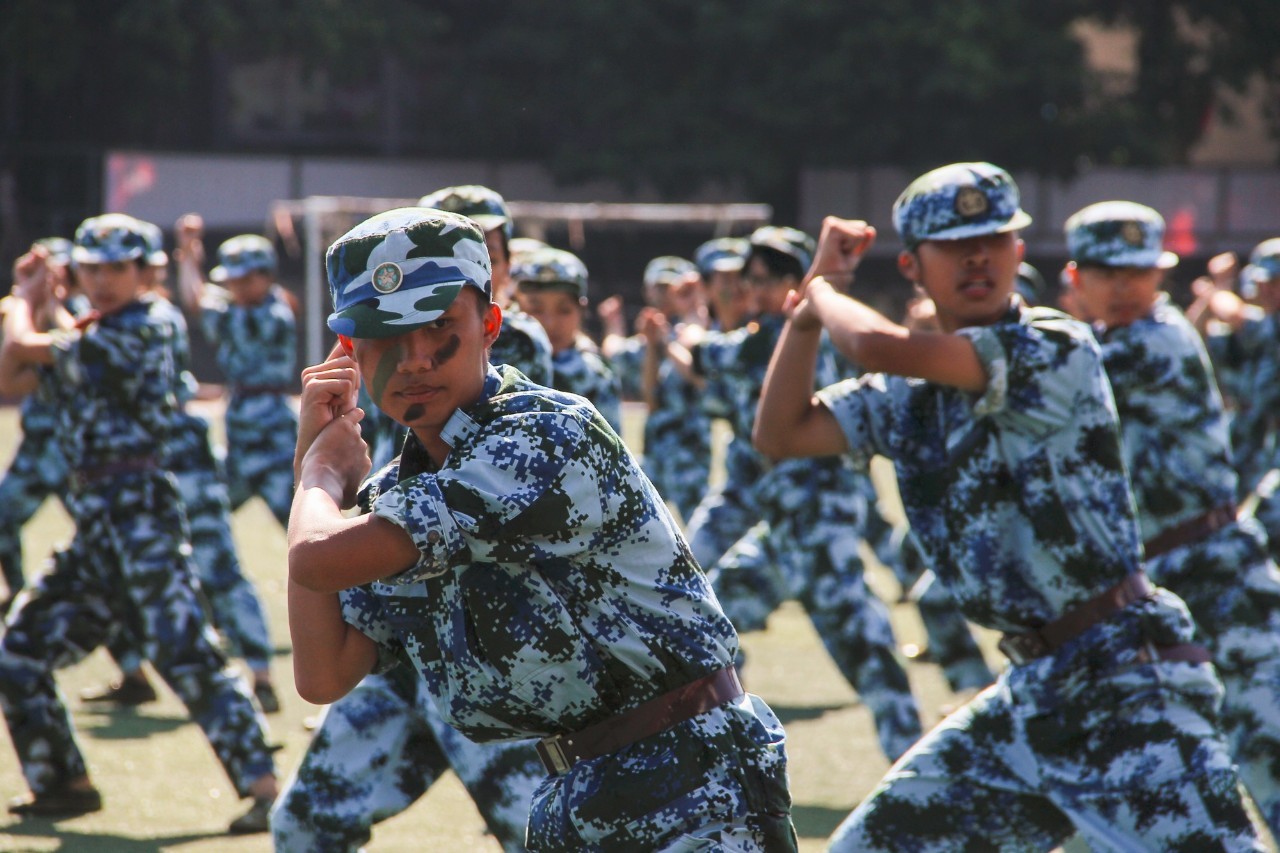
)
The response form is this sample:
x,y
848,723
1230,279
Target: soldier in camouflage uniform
x,y
128,568
806,517
250,320
1178,454
234,605
1245,346
516,557
37,469
1009,459
551,287
381,747
677,429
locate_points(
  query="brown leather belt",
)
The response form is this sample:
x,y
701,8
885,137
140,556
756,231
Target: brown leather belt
x,y
560,752
1023,647
82,478
1189,531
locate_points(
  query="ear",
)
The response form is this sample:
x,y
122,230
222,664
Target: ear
x,y
909,266
1073,274
492,323
347,346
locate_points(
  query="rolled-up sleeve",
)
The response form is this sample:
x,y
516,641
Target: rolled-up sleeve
x,y
417,506
363,611
860,407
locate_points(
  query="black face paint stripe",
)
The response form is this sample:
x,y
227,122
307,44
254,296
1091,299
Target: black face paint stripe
x,y
448,351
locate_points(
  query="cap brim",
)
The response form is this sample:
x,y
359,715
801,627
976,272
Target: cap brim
x,y
82,255
1167,261
1017,222
489,221
727,265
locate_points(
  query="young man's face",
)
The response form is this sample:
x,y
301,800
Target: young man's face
x,y
501,265
249,289
968,280
1115,296
729,295
113,285
559,312
421,377
770,290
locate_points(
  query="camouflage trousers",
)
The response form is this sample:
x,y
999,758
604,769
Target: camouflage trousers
x,y
1093,739
37,471
127,569
806,547
679,465
713,782
261,435
379,749
1232,589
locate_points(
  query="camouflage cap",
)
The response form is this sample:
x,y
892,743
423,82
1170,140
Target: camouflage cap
x,y
156,255
479,203
109,238
723,254
959,201
242,255
59,249
401,269
1264,263
1118,234
524,245
789,241
667,269
551,269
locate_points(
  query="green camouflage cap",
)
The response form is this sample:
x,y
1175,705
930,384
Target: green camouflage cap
x,y
667,269
523,246
723,254
156,255
479,203
402,269
1264,263
242,255
59,249
550,269
1118,234
109,238
957,202
788,241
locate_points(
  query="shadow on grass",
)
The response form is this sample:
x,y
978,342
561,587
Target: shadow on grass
x,y
70,841
817,821
800,713
128,725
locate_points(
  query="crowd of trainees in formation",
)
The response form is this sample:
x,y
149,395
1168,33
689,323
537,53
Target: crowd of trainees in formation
x,y
1085,469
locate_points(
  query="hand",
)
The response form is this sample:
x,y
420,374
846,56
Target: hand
x,y
1203,286
338,459
841,246
1223,269
800,311
188,234
610,313
655,327
329,389
31,277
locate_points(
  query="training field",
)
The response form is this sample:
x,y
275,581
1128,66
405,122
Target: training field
x,y
165,791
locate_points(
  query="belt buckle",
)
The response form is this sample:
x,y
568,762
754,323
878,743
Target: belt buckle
x,y
1022,648
552,755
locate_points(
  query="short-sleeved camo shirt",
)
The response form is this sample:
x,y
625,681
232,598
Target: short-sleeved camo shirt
x,y
585,373
554,588
1019,496
256,345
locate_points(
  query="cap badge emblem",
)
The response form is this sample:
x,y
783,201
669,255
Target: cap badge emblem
x,y
971,202
387,276
1131,233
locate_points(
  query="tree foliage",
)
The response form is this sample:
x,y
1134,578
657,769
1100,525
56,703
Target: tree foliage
x,y
664,92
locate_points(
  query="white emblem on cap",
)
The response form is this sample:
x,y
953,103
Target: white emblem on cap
x,y
387,277
971,201
1131,233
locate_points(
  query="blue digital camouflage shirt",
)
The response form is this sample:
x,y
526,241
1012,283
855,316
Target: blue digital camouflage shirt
x,y
585,373
1171,417
1019,496
115,386
1248,363
554,588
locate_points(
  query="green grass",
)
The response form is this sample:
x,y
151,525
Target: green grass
x,y
165,791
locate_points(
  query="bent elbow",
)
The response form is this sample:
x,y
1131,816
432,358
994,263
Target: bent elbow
x,y
317,690
766,442
306,569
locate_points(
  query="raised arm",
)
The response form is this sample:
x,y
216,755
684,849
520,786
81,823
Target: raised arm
x,y
867,337
25,347
189,253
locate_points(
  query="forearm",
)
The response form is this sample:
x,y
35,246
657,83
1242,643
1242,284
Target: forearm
x,y
649,374
329,655
329,552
